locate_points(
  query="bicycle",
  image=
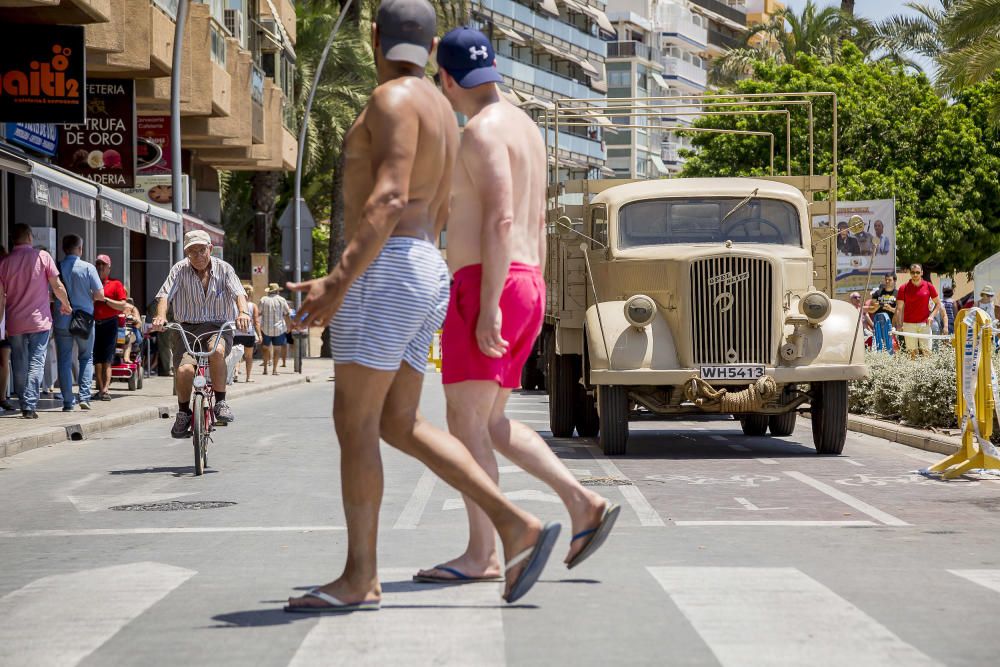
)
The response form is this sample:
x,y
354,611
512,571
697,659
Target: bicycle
x,y
202,396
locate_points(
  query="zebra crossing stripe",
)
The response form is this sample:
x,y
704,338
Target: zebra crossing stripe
x,y
59,620
986,578
779,616
415,506
418,624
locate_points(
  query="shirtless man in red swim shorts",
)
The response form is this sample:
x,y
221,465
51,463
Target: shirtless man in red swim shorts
x,y
496,246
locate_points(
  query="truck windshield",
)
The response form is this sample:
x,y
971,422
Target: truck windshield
x,y
699,220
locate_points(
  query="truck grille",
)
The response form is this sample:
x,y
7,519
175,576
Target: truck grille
x,y
731,310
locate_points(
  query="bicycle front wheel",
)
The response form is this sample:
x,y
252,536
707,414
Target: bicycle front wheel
x,y
198,434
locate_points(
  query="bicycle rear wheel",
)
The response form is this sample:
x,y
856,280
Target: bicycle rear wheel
x,y
198,434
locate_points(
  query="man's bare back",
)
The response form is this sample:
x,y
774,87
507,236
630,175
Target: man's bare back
x,y
499,129
416,108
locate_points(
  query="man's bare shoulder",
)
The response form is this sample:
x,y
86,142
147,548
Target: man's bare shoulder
x,y
498,124
397,97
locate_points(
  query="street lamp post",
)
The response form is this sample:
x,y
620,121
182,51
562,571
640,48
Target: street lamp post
x,y
175,123
297,197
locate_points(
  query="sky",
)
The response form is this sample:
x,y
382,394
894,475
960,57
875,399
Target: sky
x,y
872,9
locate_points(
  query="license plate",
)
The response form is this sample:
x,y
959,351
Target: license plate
x,y
732,372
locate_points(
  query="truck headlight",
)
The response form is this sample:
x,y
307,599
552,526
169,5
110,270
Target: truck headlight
x,y
816,306
640,310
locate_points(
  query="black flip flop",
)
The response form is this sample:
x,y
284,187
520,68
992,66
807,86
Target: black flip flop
x,y
597,535
536,556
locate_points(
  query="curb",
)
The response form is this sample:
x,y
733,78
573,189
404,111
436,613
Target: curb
x,y
904,435
87,428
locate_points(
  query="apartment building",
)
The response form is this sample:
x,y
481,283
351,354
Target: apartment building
x,y
98,164
552,49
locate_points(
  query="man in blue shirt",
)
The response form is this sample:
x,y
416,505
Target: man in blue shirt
x,y
84,287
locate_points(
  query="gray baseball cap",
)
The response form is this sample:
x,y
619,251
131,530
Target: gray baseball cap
x,y
406,30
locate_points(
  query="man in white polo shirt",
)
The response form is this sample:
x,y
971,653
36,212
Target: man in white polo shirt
x,y
205,294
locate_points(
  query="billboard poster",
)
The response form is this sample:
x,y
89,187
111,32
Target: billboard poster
x,y
38,137
43,74
102,149
872,247
152,145
159,191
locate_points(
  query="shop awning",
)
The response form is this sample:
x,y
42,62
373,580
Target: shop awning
x,y
123,210
216,234
53,188
164,224
512,35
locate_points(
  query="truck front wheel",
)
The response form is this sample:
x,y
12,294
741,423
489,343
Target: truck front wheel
x,y
829,416
562,381
613,408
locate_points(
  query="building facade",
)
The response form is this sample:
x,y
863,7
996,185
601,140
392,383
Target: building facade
x,y
552,49
236,110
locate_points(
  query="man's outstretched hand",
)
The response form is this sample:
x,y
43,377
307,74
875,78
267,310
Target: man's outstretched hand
x,y
159,324
321,303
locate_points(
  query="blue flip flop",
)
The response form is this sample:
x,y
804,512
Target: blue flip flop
x,y
458,577
536,558
597,535
334,606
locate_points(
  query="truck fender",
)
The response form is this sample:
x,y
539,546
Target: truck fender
x,y
832,340
630,347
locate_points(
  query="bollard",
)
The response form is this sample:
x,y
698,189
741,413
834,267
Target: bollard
x,y
977,396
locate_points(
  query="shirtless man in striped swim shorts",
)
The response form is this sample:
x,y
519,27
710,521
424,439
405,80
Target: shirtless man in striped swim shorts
x,y
496,249
387,296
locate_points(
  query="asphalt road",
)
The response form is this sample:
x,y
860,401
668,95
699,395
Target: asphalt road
x,y
729,551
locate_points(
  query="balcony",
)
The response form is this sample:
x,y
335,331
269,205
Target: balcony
x,y
558,86
722,40
545,24
677,71
681,29
628,50
722,9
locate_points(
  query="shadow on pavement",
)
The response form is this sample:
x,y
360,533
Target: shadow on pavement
x,y
176,471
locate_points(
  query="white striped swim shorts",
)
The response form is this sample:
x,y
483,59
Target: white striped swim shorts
x,y
391,312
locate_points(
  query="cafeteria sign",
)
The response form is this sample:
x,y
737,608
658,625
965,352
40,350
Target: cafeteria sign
x,y
42,74
103,148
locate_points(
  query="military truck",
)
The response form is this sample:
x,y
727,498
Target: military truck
x,y
674,297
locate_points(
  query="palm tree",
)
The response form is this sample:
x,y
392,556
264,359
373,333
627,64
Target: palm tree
x,y
847,7
787,37
972,32
921,35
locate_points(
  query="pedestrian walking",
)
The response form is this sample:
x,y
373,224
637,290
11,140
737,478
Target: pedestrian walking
x,y
950,309
914,310
5,404
275,322
388,295
883,309
249,338
26,275
74,333
106,320
496,246
990,307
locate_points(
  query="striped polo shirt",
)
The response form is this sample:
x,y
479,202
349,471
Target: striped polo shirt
x,y
195,305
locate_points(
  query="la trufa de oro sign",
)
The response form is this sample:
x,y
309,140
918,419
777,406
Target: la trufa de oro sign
x,y
102,148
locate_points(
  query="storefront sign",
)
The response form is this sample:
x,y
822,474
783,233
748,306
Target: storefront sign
x,y
103,148
42,74
39,137
158,190
152,145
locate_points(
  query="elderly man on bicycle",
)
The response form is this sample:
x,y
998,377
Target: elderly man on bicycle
x,y
205,294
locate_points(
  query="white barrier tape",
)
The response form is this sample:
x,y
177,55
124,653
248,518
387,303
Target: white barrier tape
x,y
896,332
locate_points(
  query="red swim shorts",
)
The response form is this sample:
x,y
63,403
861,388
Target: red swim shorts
x,y
522,304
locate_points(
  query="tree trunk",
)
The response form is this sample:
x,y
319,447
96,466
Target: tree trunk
x,y
847,6
263,195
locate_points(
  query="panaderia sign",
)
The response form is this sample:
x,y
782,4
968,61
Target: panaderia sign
x,y
103,148
42,74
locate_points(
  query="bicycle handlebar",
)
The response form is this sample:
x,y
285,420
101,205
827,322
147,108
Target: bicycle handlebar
x,y
184,337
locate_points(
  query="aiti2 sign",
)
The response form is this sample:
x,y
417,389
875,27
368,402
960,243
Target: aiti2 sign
x,y
103,148
42,74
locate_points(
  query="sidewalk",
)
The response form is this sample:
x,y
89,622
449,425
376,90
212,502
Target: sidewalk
x,y
929,441
153,401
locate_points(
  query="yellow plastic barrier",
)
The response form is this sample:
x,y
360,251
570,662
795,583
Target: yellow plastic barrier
x,y
434,355
977,396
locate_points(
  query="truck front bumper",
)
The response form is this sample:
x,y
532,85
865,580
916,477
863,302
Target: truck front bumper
x,y
781,375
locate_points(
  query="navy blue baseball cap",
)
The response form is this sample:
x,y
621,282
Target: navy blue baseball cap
x,y
468,57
